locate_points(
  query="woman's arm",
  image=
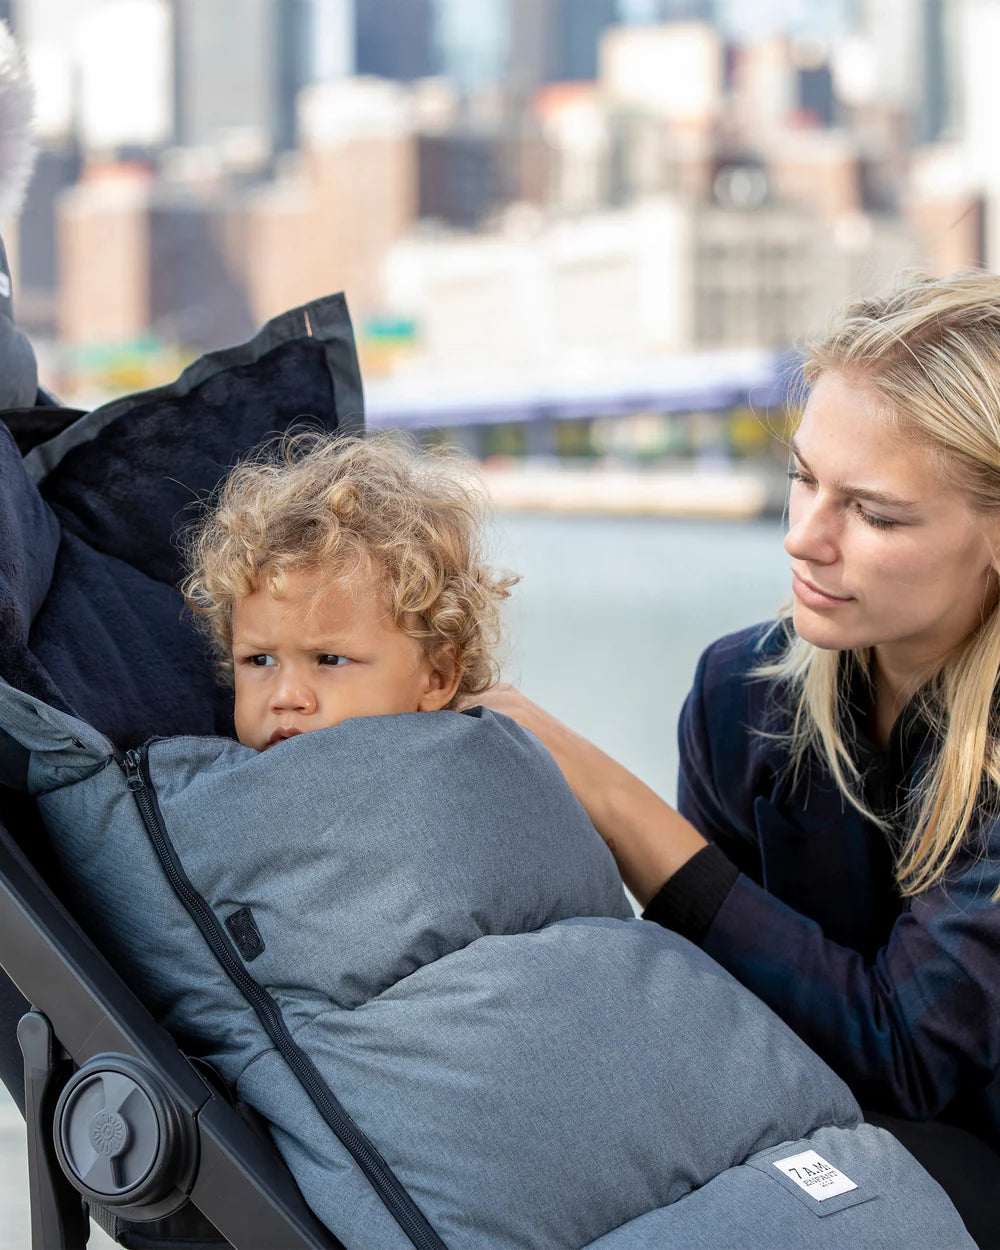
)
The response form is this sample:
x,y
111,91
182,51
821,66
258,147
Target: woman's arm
x,y
908,1028
648,838
907,1031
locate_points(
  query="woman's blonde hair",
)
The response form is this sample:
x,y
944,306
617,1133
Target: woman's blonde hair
x,y
930,355
354,507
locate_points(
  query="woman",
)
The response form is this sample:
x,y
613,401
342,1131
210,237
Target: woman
x,y
840,769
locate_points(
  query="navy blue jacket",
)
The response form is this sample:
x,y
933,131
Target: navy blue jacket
x,y
797,899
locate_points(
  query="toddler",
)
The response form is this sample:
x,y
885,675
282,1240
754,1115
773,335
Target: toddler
x,y
343,577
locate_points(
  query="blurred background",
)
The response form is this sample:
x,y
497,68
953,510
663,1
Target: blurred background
x,y
588,229
581,239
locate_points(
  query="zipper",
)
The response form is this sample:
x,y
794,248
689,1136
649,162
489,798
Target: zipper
x,y
376,1170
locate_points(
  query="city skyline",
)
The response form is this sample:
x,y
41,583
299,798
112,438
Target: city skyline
x,y
631,188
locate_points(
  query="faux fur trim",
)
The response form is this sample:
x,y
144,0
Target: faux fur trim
x,y
17,141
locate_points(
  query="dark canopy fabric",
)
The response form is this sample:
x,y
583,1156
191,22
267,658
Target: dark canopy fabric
x,y
90,617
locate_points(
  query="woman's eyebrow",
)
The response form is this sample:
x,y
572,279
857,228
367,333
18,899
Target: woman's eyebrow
x,y
859,492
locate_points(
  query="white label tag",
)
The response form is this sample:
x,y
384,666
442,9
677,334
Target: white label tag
x,y
4,285
811,1172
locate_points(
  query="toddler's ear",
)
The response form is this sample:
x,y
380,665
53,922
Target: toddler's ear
x,y
443,676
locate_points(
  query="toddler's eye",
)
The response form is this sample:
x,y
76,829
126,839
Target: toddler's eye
x,y
334,661
259,661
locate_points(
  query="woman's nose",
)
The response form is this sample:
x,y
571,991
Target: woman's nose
x,y
812,532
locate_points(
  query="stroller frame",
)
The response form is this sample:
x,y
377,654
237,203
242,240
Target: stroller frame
x,y
86,1021
87,1032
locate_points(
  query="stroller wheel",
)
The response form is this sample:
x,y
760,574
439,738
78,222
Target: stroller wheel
x,y
122,1140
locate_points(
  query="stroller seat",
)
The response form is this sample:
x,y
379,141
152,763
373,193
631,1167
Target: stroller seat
x,y
91,622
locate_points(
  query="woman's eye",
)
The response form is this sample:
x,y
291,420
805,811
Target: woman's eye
x,y
334,661
877,522
796,475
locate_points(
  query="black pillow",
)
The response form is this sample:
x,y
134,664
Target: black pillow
x,y
90,617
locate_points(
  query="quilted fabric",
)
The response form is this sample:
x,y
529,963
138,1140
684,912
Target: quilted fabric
x,y
90,617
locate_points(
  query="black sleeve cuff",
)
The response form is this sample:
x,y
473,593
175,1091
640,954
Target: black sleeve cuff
x,y
689,901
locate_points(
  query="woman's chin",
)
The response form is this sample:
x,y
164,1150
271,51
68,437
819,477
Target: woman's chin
x,y
821,632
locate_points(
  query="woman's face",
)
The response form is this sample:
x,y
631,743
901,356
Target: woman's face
x,y
884,553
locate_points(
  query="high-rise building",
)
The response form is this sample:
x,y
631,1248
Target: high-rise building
x,y
240,90
816,95
652,12
936,107
818,19
331,38
124,75
136,257
556,40
675,71
395,38
359,162
579,25
473,42
459,175
57,168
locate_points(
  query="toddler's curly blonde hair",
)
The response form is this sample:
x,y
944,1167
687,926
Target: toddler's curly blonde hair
x,y
354,506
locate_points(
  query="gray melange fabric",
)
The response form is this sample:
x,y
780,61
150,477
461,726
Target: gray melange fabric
x,y
447,939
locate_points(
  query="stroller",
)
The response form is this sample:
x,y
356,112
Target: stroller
x,y
154,1142
207,1173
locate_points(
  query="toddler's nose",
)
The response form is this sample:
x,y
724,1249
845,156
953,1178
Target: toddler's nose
x,y
294,695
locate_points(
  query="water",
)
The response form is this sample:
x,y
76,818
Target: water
x,y
604,630
611,616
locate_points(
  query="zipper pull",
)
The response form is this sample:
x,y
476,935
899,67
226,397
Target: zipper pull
x,y
133,770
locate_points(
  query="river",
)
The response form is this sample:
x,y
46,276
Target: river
x,y
607,624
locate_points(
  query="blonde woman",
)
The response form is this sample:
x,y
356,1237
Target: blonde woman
x,y
838,842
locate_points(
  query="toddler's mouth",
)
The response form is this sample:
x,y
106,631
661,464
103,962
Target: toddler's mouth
x,y
280,735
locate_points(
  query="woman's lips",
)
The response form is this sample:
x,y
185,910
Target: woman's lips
x,y
813,597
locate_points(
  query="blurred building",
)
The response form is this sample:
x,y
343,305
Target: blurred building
x,y
395,38
773,277
978,32
460,175
946,209
529,293
675,72
473,43
240,91
331,39
556,40
57,168
326,224
577,137
138,258
815,170
359,162
202,263
667,275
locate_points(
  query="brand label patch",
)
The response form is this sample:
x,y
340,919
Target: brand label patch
x,y
246,935
811,1172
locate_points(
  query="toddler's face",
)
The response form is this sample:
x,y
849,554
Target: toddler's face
x,y
318,656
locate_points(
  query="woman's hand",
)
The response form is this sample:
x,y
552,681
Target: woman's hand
x,y
648,839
